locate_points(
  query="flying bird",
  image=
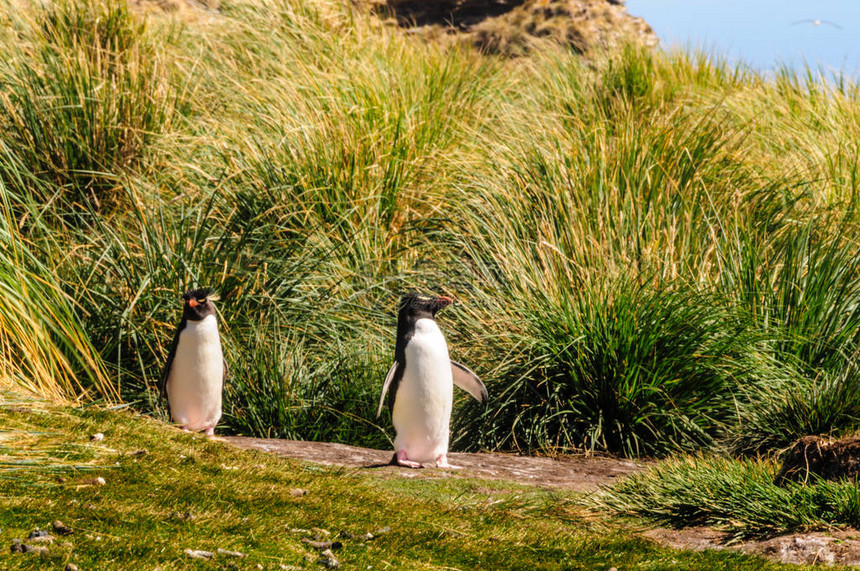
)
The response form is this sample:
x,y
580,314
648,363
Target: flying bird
x,y
817,23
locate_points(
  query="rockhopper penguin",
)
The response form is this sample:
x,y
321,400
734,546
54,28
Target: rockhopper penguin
x,y
193,377
421,382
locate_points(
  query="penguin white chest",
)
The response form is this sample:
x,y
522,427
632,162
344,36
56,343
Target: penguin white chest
x,y
425,394
196,377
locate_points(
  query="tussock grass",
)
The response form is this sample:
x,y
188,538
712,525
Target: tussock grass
x,y
43,347
622,368
653,251
83,93
737,496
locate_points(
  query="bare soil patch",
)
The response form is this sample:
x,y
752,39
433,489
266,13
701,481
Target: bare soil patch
x,y
578,473
818,456
839,547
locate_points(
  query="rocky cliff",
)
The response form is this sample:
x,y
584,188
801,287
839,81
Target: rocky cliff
x,y
513,27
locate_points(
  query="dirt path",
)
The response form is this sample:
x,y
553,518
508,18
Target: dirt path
x,y
578,473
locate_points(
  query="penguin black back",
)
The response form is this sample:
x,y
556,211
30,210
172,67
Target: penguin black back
x,y
413,306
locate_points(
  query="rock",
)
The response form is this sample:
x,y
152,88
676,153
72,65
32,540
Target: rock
x,y
39,534
322,545
816,456
298,492
368,536
232,553
582,25
99,481
36,549
70,567
810,549
97,437
328,559
199,554
19,547
568,471
60,528
513,28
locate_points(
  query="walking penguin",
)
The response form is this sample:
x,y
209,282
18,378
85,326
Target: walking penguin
x,y
421,382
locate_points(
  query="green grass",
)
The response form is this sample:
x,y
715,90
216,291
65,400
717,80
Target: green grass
x,y
737,496
621,368
43,347
166,491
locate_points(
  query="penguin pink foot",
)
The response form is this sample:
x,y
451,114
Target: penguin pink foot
x,y
442,462
402,461
210,432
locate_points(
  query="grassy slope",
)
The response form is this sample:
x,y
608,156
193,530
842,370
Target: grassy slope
x,y
651,251
241,501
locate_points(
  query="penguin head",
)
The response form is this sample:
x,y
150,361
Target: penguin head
x,y
415,305
198,304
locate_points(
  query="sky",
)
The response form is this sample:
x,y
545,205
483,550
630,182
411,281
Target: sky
x,y
761,33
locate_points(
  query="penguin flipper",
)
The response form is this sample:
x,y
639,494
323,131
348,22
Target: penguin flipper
x,y
469,382
388,379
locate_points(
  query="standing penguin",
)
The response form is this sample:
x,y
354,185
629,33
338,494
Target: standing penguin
x,y
421,382
193,377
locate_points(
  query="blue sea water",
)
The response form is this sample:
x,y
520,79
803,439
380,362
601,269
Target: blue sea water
x,y
764,34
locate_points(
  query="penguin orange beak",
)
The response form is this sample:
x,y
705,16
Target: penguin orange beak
x,y
444,301
193,302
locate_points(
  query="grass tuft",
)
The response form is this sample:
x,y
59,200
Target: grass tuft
x,y
84,93
736,496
